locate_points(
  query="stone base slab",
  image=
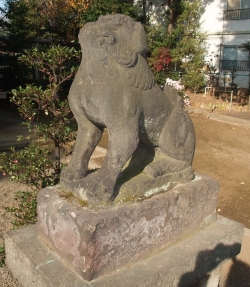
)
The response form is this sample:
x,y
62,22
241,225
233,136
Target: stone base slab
x,y
96,242
194,260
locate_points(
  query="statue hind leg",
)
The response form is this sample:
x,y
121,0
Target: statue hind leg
x,y
176,147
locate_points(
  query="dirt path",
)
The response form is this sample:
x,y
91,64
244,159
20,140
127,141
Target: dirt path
x,y
223,152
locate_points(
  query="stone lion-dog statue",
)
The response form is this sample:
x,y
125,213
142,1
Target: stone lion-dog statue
x,y
114,88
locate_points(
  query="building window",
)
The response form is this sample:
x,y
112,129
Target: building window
x,y
238,4
237,10
234,59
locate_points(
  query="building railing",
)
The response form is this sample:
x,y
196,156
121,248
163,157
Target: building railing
x,y
234,65
237,14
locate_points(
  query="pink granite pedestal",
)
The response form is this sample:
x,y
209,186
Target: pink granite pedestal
x,y
97,242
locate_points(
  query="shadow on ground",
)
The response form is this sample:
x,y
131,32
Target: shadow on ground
x,y
208,260
239,274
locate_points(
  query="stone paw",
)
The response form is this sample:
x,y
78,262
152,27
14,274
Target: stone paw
x,y
70,174
165,166
98,192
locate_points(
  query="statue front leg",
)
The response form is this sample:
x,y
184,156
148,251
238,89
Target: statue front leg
x,y
98,188
88,136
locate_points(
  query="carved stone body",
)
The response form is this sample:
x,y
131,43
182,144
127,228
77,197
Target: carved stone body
x,y
114,88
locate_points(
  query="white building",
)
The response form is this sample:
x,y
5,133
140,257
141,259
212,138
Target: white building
x,y
227,23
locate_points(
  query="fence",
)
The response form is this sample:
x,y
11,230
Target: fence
x,y
237,14
231,94
231,65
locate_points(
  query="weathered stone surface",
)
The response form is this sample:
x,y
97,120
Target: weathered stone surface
x,y
94,242
138,179
180,265
114,88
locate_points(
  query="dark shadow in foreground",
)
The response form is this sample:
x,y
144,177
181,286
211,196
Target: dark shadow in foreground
x,y
208,260
239,274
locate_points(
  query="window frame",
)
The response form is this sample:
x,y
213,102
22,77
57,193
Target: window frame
x,y
236,64
240,5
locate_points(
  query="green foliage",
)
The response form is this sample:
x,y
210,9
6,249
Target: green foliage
x,y
25,211
59,20
31,23
191,47
194,77
245,47
18,25
175,10
104,7
185,40
62,19
57,66
32,166
188,28
156,36
2,256
58,63
47,116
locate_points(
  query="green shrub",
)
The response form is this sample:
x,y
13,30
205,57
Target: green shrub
x,y
48,117
25,211
2,256
32,166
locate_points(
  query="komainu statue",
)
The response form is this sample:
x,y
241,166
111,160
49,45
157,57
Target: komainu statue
x,y
114,88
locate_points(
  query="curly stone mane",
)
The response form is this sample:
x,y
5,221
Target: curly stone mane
x,y
115,54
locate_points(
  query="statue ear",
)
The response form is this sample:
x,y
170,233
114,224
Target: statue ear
x,y
139,39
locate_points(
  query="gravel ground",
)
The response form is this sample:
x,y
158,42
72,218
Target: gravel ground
x,y
7,191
